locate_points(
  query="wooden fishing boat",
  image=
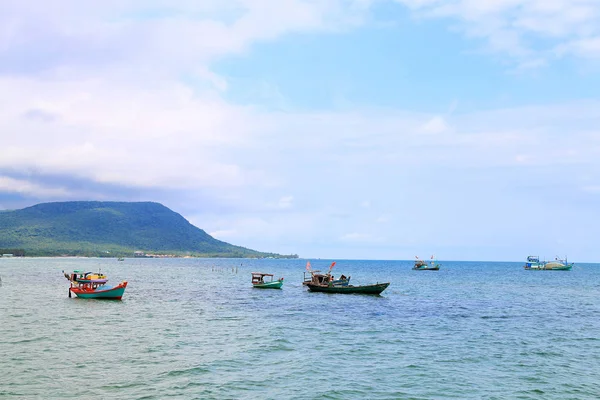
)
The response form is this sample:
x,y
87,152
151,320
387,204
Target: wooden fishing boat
x,y
422,265
88,285
327,284
427,268
349,289
261,280
96,290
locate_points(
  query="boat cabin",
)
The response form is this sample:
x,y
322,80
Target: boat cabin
x,y
76,275
79,276
259,277
321,279
533,262
90,286
326,279
308,276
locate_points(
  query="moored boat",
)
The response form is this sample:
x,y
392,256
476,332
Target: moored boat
x,y
348,289
261,280
89,285
422,265
94,290
328,284
534,263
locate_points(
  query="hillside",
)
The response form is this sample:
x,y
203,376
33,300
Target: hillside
x,y
109,229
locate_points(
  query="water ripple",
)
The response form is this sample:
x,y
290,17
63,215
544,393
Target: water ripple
x,y
195,329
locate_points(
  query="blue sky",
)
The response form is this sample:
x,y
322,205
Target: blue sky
x,y
369,129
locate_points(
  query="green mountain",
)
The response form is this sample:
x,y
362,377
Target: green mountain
x,y
109,229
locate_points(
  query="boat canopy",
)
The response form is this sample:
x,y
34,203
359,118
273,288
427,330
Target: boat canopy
x,y
93,281
261,274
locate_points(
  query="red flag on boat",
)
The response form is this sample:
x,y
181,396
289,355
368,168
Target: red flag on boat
x,y
332,265
308,265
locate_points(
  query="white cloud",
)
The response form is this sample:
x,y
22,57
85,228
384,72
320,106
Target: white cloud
x,y
435,125
356,237
585,48
223,234
143,40
382,219
528,31
25,187
123,134
285,202
100,92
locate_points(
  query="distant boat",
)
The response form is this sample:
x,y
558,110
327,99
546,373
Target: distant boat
x,y
120,259
422,265
534,263
265,281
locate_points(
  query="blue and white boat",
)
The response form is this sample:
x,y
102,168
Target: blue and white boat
x,y
534,263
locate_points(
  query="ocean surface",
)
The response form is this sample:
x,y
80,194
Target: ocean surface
x,y
196,329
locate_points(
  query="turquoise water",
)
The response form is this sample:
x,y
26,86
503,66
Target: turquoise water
x,y
196,329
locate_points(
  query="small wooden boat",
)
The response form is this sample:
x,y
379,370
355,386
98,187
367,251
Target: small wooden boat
x,y
427,268
265,281
95,290
422,265
327,284
349,289
88,285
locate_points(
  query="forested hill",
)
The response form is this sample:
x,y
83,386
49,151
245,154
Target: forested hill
x,y
109,229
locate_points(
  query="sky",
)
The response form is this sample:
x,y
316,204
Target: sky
x,y
339,129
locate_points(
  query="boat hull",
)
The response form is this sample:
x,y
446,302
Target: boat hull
x,y
269,285
563,268
349,289
436,268
115,293
550,268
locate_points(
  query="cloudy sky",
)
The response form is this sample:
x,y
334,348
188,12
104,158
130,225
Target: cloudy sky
x,y
369,129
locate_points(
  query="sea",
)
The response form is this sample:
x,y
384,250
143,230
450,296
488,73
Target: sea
x,y
191,328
